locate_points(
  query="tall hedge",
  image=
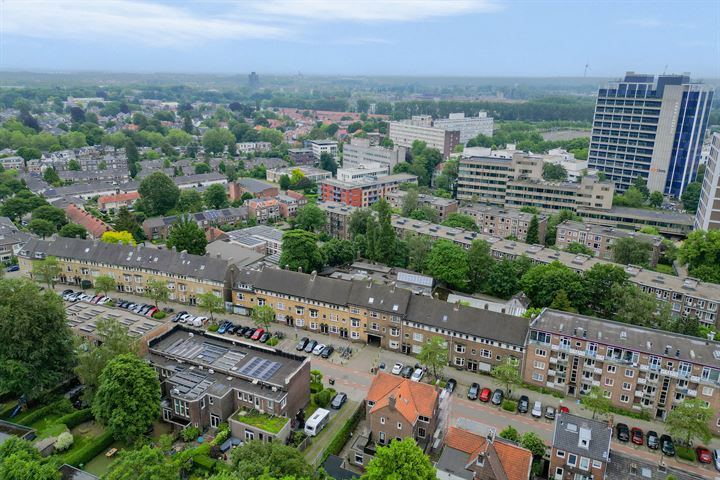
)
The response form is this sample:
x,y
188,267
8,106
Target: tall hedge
x,y
90,450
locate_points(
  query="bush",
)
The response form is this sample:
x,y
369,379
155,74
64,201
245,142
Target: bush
x,y
543,390
341,437
221,436
61,406
316,387
509,405
323,398
213,328
159,315
641,415
75,418
90,450
190,433
273,341
64,441
685,453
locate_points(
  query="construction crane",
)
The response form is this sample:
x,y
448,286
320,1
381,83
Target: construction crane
x,y
587,67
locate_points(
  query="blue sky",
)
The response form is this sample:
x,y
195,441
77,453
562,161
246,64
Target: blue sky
x,y
364,37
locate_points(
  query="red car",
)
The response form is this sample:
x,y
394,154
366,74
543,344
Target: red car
x,y
636,436
564,409
485,395
258,333
703,455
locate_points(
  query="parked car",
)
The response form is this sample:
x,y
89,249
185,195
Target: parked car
x,y
537,409
318,349
564,409
407,372
523,404
652,440
152,311
338,401
397,368
473,392
310,346
667,447
716,459
636,436
485,395
703,455
258,333
250,333
450,385
264,337
327,351
550,413
198,321
223,327
622,432
302,344
417,374
12,268
232,328
241,331
497,397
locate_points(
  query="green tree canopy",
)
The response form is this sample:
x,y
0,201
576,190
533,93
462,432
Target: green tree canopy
x,y
216,139
554,172
596,402
507,374
309,217
191,201
46,271
533,232
434,354
691,196
54,215
631,251
327,162
599,282
159,193
42,228
126,221
20,460
210,303
579,248
300,250
448,263
256,458
460,220
542,282
263,316
215,196
419,247
689,420
401,460
146,463
104,284
700,251
73,230
480,262
187,235
338,252
157,290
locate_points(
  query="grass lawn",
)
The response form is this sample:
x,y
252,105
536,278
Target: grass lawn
x,y
263,421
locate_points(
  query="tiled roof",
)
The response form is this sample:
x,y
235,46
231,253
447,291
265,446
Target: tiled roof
x,y
121,197
94,226
411,398
515,460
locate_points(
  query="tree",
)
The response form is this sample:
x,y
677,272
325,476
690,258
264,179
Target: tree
x,y
211,303
215,196
599,282
118,237
636,307
419,247
561,302
533,442
554,172
216,139
502,279
51,176
188,125
480,262
309,217
263,316
507,374
46,271
159,193
509,433
42,228
104,284
74,165
128,397
448,263
186,235
357,224
36,344
434,354
54,215
20,460
460,220
338,252
410,202
542,282
631,251
401,460
533,232
73,230
579,249
126,221
596,402
640,184
656,199
256,458
92,357
689,420
631,198
157,290
554,221
691,196
147,463
327,162
284,182
701,253
300,250
191,201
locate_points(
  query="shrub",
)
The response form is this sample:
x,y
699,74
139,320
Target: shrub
x,y
213,328
323,398
190,433
90,450
509,405
72,420
60,406
221,436
342,436
316,387
159,315
273,341
63,442
685,453
641,415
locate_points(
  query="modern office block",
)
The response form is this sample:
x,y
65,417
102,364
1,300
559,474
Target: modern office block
x,y
708,212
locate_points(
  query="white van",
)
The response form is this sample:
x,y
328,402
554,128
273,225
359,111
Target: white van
x,y
317,422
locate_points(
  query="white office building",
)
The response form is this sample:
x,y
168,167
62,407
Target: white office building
x,y
469,127
324,146
708,212
362,171
359,151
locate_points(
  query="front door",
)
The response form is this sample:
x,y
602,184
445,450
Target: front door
x,y
343,333
324,328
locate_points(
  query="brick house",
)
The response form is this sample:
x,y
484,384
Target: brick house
x,y
580,448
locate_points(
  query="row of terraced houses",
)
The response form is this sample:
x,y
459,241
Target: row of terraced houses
x,y
637,368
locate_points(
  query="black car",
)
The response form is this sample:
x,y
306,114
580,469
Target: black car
x,y
474,391
652,440
242,331
310,346
338,401
667,447
450,385
265,337
622,432
302,344
523,404
231,329
327,351
497,397
249,333
407,372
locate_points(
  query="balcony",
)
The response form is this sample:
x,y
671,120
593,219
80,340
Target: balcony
x,y
644,368
692,393
551,372
642,381
597,371
639,393
274,427
596,383
553,360
599,358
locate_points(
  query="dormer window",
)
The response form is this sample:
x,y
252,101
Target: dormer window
x,y
480,460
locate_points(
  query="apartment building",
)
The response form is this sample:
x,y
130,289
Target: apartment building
x,y
396,408
311,173
670,223
392,317
256,188
119,175
442,206
323,146
404,134
580,448
207,379
301,156
263,209
469,127
601,239
708,212
253,147
360,151
504,222
11,239
365,192
289,202
650,128
636,368
362,171
13,163
337,218
589,194
81,261
159,227
484,178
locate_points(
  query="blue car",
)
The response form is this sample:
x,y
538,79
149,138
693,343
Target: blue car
x,y
12,268
223,327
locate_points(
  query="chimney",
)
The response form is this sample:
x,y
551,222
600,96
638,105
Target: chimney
x,y
392,286
174,248
313,275
369,283
300,269
391,401
456,306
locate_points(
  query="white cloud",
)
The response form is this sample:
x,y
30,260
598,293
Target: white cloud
x,y
130,20
373,10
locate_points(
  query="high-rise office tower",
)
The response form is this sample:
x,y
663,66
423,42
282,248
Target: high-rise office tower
x,y
652,129
254,80
708,212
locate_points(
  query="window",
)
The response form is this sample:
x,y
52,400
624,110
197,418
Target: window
x,y
459,348
374,326
609,382
370,403
280,306
558,472
249,435
607,394
382,420
354,322
299,310
539,365
560,453
624,398
421,432
394,345
572,459
181,408
202,403
459,361
358,458
611,368
424,419
399,425
418,337
540,352
313,313
538,377
354,335
707,391
626,386
261,302
629,373
485,353
394,331
584,463
214,420
597,464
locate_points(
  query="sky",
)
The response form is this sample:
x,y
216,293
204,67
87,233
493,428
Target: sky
x,y
476,38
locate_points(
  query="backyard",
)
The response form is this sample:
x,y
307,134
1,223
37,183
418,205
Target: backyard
x,y
263,421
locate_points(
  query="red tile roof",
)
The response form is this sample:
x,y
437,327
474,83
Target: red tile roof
x,y
121,197
411,398
515,460
94,226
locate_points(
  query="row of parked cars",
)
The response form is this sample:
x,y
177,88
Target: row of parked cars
x,y
185,317
71,296
664,443
523,405
139,308
312,346
414,373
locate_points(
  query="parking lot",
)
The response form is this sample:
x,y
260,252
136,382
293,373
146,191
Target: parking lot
x,y
83,317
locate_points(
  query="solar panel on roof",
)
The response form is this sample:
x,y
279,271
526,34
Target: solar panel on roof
x,y
259,368
415,279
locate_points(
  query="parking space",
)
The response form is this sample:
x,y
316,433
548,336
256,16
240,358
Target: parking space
x,y
83,317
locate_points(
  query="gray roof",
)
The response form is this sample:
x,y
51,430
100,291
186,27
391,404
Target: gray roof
x,y
232,252
379,297
209,216
199,178
154,259
254,235
647,213
468,320
454,461
298,284
611,232
640,339
254,185
571,429
9,233
623,466
333,467
68,472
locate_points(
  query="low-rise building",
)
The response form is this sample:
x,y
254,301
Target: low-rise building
x,y
200,180
601,239
256,188
365,192
110,203
253,147
311,173
159,227
404,134
580,448
263,209
442,206
207,379
361,171
319,147
13,163
94,226
505,222
290,201
636,368
337,218
260,238
667,222
118,175
301,156
11,239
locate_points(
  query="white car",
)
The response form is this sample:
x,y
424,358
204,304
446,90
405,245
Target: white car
x,y
188,319
318,349
397,368
104,301
417,375
537,409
